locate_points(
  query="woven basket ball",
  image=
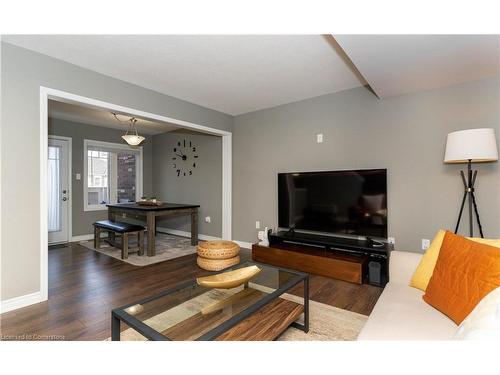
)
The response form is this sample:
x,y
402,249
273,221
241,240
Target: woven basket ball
x,y
217,264
218,249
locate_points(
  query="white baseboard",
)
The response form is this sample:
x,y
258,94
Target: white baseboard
x,y
21,301
243,244
176,232
182,233
86,237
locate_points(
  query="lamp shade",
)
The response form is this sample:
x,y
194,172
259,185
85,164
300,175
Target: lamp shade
x,y
477,145
133,139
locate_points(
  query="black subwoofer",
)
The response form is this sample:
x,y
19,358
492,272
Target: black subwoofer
x,y
375,273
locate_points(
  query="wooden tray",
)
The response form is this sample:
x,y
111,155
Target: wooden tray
x,y
231,279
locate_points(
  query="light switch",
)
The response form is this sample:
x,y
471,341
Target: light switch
x,y
257,224
78,176
319,138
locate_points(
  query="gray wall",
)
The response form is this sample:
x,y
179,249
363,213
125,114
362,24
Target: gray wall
x,y
405,134
82,220
203,187
23,72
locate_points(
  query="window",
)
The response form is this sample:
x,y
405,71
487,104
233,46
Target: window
x,y
113,174
97,177
53,209
126,177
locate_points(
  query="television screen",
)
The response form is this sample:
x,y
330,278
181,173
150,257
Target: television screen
x,y
337,202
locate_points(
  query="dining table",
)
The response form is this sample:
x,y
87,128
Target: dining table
x,y
149,213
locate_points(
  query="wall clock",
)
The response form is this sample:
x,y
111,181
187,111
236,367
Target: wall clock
x,y
184,158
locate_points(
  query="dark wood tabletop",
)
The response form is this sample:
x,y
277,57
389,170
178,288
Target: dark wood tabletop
x,y
151,213
163,206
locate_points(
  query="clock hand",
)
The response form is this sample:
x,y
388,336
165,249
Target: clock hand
x,y
179,155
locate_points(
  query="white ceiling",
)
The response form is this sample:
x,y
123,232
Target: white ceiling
x,y
236,74
398,64
232,74
99,117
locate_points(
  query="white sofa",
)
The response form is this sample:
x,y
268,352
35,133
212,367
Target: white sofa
x,y
401,313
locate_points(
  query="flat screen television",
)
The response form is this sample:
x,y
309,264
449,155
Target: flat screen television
x,y
347,203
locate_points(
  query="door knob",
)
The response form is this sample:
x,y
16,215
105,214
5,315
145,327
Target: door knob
x,y
64,199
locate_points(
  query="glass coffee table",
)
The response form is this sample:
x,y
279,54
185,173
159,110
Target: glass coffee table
x,y
260,309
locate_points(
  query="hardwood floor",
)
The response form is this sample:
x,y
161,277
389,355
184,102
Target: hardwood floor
x,y
84,286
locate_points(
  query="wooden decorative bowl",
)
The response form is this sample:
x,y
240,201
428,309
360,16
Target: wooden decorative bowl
x,y
217,264
133,310
218,249
231,279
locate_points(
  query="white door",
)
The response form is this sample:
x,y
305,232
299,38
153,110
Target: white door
x,y
58,174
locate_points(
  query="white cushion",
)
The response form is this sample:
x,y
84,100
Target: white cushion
x,y
402,314
484,321
402,266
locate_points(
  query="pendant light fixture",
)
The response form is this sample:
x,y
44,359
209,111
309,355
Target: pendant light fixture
x,y
132,137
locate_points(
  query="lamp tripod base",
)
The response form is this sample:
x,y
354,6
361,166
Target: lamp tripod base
x,y
469,192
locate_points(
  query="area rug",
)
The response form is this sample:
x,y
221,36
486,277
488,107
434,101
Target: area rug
x,y
326,323
167,247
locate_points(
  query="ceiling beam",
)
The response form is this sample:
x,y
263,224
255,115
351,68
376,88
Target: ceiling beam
x,y
350,64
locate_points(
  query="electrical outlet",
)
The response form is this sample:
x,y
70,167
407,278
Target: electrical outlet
x,y
425,243
208,219
391,240
257,224
319,138
78,176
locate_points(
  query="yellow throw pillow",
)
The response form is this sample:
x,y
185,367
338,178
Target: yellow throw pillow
x,y
486,241
425,268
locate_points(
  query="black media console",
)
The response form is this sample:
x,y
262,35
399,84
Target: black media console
x,y
376,270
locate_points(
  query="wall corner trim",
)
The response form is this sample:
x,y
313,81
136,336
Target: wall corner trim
x,y
21,301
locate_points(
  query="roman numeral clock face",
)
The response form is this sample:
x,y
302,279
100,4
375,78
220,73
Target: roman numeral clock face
x,y
184,158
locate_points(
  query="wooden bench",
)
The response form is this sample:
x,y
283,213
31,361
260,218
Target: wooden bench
x,y
125,229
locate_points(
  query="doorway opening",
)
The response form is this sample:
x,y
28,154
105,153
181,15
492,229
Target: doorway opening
x,y
56,188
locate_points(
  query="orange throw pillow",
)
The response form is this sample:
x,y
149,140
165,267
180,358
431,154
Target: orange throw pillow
x,y
465,272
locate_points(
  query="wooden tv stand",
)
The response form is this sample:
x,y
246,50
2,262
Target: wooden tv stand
x,y
312,259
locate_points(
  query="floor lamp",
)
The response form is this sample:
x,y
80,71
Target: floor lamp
x,y
471,146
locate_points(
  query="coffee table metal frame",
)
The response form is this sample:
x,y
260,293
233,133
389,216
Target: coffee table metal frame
x,y
118,315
